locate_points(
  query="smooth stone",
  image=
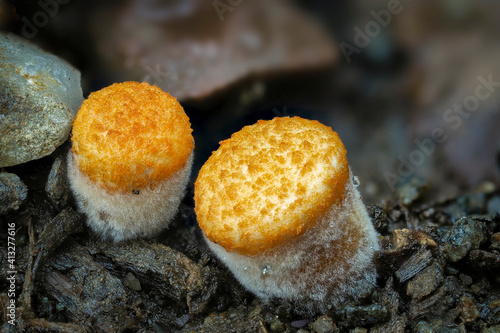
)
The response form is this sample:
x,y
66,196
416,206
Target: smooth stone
x,y
13,192
39,97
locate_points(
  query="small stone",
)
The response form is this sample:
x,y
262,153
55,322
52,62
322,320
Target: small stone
x,y
419,308
269,317
364,315
255,311
495,304
406,237
39,97
475,289
425,282
424,327
277,326
465,279
492,329
359,330
13,192
323,324
57,186
465,235
132,282
283,311
468,308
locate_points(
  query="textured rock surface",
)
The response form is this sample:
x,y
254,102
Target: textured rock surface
x,y
425,282
13,192
465,235
323,324
57,186
39,97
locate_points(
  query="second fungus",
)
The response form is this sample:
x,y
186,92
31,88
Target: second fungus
x,y
278,206
131,159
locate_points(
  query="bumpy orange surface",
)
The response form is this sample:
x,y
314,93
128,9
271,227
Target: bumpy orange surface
x,y
269,183
130,136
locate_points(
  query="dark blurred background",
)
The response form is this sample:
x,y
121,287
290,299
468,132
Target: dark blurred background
x,y
412,87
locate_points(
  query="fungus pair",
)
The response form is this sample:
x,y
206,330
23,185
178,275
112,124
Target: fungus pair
x,y
276,201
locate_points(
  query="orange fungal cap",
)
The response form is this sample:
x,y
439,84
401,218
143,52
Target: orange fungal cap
x,y
130,136
269,183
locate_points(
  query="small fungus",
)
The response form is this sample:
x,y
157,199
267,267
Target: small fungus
x,y
278,205
130,160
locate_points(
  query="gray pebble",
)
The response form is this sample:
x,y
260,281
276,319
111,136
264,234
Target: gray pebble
x,y
277,326
132,282
13,192
465,235
468,308
359,330
323,324
39,97
425,282
57,186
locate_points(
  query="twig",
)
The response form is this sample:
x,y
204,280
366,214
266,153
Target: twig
x,y
263,327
